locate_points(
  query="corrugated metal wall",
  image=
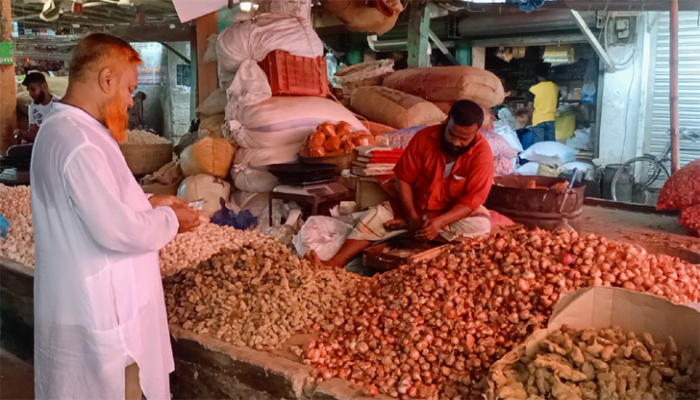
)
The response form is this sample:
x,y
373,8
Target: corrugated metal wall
x,y
688,85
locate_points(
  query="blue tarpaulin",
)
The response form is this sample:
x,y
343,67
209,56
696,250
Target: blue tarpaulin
x,y
526,5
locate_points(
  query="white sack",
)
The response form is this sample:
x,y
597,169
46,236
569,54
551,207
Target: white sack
x,y
241,46
207,188
324,234
280,121
511,137
259,205
529,169
550,153
260,181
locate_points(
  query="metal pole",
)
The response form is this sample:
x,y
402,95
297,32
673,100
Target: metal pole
x,y
675,145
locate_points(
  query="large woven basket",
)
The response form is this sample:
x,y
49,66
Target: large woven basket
x,y
145,159
341,162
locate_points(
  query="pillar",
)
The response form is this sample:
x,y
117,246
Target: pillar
x,y
418,35
207,76
8,90
463,52
479,57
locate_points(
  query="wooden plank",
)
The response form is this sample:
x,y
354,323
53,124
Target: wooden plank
x,y
419,35
207,76
8,90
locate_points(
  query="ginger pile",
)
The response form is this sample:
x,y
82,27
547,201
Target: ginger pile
x,y
601,364
257,295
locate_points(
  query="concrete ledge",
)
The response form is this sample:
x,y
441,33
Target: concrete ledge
x,y
205,367
17,309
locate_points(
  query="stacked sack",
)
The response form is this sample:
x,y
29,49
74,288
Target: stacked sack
x,y
682,192
268,129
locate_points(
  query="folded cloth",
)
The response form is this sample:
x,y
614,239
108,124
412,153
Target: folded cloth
x,y
526,5
378,151
378,160
371,227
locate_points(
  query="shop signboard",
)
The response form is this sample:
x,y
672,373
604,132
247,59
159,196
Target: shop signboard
x,y
7,53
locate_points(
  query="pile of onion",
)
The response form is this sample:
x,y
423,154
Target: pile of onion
x,y
431,330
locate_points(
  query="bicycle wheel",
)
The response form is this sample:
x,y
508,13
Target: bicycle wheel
x,y
641,179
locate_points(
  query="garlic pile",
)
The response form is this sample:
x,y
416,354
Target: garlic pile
x,y
605,364
255,295
143,137
15,205
431,330
190,248
15,201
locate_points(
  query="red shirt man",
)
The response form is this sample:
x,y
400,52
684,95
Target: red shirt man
x,y
442,182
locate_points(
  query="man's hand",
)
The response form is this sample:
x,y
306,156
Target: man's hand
x,y
187,217
429,231
166,201
398,224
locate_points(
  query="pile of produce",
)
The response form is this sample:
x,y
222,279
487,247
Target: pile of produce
x,y
431,330
604,364
185,251
144,137
15,205
682,192
257,295
189,249
333,140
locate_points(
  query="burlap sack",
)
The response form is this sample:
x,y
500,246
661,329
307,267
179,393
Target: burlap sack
x,y
394,108
211,126
165,181
449,84
211,156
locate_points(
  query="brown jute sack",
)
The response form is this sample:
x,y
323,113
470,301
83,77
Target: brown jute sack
x,y
449,84
211,156
393,108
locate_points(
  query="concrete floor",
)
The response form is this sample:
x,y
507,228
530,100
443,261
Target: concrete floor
x,y
16,378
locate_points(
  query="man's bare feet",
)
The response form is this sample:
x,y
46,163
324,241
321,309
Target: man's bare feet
x,y
315,260
396,224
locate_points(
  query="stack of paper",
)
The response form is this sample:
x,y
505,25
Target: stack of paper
x,y
375,161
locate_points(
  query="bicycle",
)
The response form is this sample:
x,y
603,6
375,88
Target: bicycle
x,y
652,167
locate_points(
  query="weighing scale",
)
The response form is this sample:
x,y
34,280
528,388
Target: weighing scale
x,y
312,194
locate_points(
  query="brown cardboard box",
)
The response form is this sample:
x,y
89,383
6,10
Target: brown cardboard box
x,y
601,307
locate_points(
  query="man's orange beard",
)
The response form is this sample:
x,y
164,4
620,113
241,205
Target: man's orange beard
x,y
117,119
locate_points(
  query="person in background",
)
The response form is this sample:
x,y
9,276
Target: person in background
x,y
442,182
41,107
543,101
100,327
136,111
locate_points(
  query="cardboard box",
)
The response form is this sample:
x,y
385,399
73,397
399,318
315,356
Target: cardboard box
x,y
601,307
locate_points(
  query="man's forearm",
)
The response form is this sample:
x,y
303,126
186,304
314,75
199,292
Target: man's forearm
x,y
406,199
456,213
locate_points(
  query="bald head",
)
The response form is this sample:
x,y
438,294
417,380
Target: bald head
x,y
103,74
99,51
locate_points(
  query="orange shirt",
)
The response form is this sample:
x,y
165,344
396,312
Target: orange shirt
x,y
422,166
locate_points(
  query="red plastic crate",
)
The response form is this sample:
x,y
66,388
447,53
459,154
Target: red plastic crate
x,y
295,75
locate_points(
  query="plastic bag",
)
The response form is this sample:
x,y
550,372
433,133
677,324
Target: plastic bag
x,y
325,235
511,137
499,145
4,226
226,217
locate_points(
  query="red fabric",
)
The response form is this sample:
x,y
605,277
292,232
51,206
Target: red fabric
x,y
682,189
423,167
500,219
378,160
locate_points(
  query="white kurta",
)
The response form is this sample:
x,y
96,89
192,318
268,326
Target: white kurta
x,y
98,295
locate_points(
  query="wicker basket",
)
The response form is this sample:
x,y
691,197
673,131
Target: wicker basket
x,y
145,159
341,162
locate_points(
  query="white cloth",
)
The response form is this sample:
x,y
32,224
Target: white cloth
x,y
38,113
98,295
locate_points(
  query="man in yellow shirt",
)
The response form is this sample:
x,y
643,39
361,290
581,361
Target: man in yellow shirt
x,y
544,96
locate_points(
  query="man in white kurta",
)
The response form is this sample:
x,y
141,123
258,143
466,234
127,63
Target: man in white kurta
x,y
99,303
